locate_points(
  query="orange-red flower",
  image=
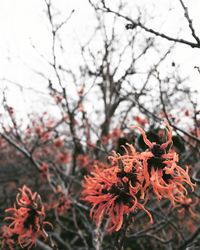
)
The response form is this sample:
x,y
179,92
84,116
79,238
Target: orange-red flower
x,y
161,170
113,192
44,171
63,205
27,218
64,158
83,160
58,142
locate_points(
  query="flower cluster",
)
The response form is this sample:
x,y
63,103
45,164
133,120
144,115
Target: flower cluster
x,y
162,172
113,192
126,185
27,218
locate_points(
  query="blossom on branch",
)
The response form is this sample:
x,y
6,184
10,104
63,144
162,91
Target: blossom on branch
x,y
161,170
113,192
27,218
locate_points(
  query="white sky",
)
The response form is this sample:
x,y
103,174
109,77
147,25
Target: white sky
x,y
23,22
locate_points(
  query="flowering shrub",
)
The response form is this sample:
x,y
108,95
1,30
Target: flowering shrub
x,y
139,185
119,189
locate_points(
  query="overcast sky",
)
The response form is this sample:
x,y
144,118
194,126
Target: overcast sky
x,y
23,24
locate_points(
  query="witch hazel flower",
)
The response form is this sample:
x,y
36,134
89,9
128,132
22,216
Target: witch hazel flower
x,y
161,170
113,194
27,218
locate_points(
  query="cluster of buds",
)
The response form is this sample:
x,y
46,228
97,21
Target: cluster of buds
x,y
133,178
27,219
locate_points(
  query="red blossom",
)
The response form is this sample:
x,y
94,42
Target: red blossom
x,y
39,130
161,170
83,160
45,136
64,158
27,218
58,142
62,204
44,171
141,121
113,193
